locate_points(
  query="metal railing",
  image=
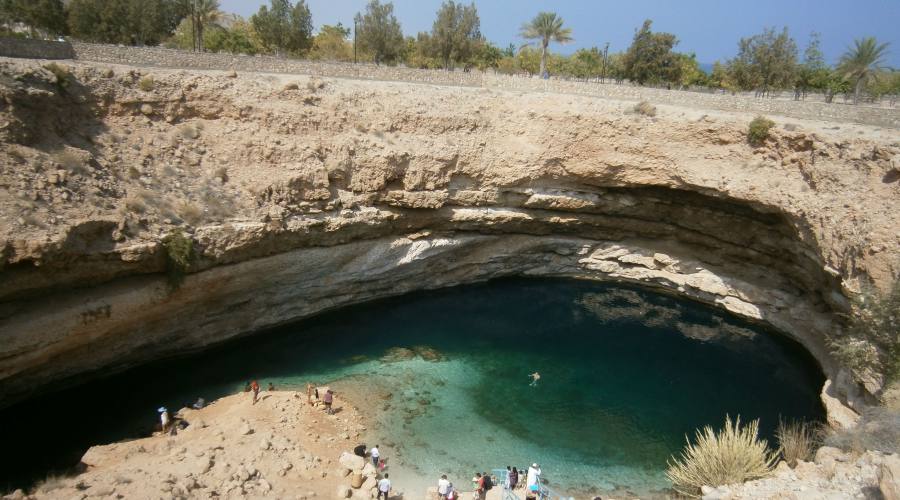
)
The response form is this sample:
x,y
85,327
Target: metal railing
x,y
544,493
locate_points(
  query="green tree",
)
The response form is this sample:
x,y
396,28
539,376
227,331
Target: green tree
x,y
766,61
45,17
419,52
203,14
332,44
546,27
456,33
487,55
379,32
285,27
587,63
689,72
862,62
141,22
650,58
813,72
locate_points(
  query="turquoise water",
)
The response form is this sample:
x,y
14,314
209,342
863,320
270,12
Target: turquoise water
x,y
625,373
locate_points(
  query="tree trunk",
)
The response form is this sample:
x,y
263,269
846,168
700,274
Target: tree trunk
x,y
543,58
857,90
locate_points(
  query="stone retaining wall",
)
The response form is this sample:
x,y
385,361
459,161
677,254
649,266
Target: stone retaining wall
x,y
168,58
35,49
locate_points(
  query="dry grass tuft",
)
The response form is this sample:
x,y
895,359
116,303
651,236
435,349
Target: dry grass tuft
x,y
70,161
147,83
51,483
733,455
190,213
645,108
797,441
189,131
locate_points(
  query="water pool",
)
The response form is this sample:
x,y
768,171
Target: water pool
x,y
444,376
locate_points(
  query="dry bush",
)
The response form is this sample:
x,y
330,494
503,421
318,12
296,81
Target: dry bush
x,y
135,205
147,83
190,213
222,173
645,108
759,130
797,441
62,74
877,430
51,483
189,131
70,161
733,455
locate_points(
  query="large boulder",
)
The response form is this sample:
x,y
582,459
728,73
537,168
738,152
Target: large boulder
x,y
344,491
352,462
889,478
356,480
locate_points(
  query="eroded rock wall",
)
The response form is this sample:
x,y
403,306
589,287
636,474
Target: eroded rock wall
x,y
302,195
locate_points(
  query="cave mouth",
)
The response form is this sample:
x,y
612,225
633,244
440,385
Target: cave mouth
x,y
626,374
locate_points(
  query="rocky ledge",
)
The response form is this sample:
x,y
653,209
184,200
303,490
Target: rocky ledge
x,y
299,195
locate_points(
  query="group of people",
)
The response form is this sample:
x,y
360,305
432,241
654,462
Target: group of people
x,y
384,484
483,482
312,395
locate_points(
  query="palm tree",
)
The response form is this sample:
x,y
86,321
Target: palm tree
x,y
862,62
202,13
546,27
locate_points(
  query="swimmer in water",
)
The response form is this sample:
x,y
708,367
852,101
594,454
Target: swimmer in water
x,y
534,378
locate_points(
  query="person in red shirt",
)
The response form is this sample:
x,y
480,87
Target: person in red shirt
x,y
254,386
479,486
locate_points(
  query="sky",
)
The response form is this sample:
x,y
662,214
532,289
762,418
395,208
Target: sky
x,y
709,28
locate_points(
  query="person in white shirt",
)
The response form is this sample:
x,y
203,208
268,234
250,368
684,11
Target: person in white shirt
x,y
384,487
533,480
443,487
375,455
164,418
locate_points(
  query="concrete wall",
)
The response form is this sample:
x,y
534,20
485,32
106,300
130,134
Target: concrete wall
x,y
35,49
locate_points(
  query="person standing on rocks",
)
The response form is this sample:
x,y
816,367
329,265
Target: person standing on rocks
x,y
328,400
254,386
309,393
512,478
164,418
443,487
375,454
271,387
384,487
479,486
533,481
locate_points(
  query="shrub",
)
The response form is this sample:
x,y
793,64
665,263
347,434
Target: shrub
x,y
645,108
146,84
759,130
62,74
70,161
797,441
51,483
878,430
189,131
871,340
190,213
733,455
179,256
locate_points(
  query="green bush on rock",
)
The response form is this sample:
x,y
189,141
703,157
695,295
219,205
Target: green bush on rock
x,y
179,256
733,455
759,130
872,338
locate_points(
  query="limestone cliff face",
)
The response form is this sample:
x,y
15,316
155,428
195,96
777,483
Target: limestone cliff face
x,y
302,195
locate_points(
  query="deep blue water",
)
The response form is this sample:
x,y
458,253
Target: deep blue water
x,y
626,373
